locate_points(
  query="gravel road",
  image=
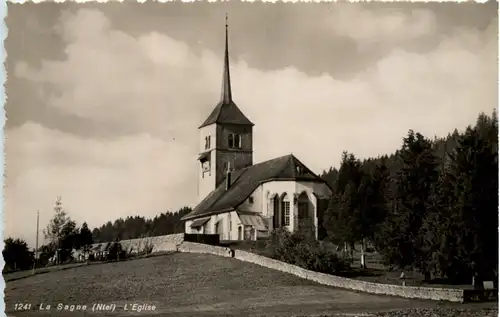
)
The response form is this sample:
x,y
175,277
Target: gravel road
x,y
438,312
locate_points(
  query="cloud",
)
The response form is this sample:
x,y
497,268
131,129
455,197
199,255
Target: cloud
x,y
163,88
381,25
98,180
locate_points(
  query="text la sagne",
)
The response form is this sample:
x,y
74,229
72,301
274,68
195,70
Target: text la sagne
x,y
62,306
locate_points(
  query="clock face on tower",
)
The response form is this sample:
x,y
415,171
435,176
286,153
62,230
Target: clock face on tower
x,y
206,166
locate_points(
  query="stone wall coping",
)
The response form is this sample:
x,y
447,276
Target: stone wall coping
x,y
415,292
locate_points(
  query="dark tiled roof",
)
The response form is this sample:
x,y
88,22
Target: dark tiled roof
x,y
245,181
252,219
199,222
228,113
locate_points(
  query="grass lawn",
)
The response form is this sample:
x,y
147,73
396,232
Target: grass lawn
x,y
183,284
375,270
21,274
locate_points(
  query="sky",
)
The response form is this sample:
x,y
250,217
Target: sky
x,y
104,100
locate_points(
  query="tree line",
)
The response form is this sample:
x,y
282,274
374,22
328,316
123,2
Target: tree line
x,y
432,206
63,236
138,227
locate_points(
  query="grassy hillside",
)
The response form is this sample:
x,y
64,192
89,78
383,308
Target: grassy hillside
x,y
191,285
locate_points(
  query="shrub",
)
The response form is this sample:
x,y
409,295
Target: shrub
x,y
115,251
146,248
302,249
329,262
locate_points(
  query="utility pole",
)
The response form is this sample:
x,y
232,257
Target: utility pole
x,y
36,246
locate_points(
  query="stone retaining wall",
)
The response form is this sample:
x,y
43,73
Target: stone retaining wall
x,y
446,294
160,243
191,247
442,294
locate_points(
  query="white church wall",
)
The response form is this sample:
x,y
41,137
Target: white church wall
x,y
311,188
256,206
228,222
235,222
209,130
206,180
187,226
269,189
221,219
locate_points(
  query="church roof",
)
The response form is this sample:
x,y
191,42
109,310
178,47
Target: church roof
x,y
226,111
246,180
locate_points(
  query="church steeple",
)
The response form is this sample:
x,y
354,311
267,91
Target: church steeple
x,y
226,137
226,111
226,96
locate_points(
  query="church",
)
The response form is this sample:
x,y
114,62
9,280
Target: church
x,y
239,200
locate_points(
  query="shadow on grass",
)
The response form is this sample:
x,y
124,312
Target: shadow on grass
x,y
258,247
354,273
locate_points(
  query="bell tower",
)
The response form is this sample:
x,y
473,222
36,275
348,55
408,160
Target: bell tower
x,y
225,137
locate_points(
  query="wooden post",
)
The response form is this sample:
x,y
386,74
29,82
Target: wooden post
x,y
36,245
363,265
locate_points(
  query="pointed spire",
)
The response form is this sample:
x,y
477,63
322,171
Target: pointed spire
x,y
226,96
226,111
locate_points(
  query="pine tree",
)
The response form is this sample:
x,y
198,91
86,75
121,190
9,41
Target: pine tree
x,y
461,228
60,231
470,229
85,237
379,199
414,182
346,219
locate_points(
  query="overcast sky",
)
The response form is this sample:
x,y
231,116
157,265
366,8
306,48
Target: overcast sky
x,y
104,100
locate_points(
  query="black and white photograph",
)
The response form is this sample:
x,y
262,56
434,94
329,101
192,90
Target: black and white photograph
x,y
207,159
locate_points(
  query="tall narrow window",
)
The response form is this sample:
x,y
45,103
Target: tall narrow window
x,y
303,207
234,141
237,141
207,142
286,210
303,210
276,212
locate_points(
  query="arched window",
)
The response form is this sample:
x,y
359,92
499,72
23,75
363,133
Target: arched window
x,y
285,207
275,211
207,142
303,206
